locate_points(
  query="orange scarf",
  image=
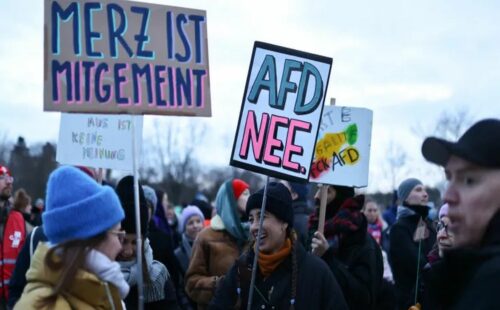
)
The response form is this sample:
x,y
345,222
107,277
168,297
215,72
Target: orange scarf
x,y
269,262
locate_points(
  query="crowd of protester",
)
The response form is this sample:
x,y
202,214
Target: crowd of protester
x,y
78,249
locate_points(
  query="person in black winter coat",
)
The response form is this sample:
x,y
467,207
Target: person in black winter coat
x,y
163,249
159,291
404,251
468,275
351,253
287,277
301,209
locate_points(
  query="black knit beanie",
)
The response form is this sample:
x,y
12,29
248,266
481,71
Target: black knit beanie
x,y
125,192
279,202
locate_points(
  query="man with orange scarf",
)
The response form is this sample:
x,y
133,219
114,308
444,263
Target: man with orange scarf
x,y
287,276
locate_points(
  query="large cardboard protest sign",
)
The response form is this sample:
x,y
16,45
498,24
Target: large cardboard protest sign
x,y
342,153
280,111
98,140
115,56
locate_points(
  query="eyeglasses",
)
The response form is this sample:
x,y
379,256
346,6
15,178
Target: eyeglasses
x,y
442,225
119,233
7,178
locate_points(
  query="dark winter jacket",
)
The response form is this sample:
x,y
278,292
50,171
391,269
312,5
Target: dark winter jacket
x,y
468,278
358,268
163,251
316,286
353,256
403,256
300,220
169,303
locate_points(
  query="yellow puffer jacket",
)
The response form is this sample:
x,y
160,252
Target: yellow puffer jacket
x,y
86,291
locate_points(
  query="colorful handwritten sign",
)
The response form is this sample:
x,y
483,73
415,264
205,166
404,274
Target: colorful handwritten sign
x,y
125,57
280,112
342,153
98,140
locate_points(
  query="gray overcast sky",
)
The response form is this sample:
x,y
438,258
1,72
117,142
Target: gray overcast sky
x,y
408,61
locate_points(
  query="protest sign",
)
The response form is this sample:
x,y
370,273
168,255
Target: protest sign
x,y
125,57
280,111
342,153
98,140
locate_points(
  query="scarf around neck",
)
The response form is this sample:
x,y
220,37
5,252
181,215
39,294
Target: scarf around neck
x,y
158,273
269,262
107,270
187,244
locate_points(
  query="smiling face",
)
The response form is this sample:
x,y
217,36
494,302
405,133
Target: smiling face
x,y
273,233
473,196
418,196
193,226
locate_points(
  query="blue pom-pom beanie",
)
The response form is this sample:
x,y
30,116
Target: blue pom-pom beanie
x,y
77,207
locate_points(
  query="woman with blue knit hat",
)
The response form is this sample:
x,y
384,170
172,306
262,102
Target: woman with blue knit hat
x,y
287,277
408,252
77,268
217,246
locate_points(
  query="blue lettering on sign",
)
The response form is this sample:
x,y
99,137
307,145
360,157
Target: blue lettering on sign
x,y
119,79
138,72
57,69
91,35
101,68
183,86
71,12
268,68
300,106
142,38
87,65
286,85
181,20
198,19
116,34
266,80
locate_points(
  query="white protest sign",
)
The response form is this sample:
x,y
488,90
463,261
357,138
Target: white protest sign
x,y
342,154
98,140
280,112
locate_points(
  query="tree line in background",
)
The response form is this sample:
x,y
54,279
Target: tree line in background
x,y
170,163
182,178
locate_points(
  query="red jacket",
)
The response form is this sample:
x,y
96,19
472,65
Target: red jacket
x,y
14,236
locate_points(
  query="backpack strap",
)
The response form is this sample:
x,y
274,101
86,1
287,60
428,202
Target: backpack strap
x,y
32,247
